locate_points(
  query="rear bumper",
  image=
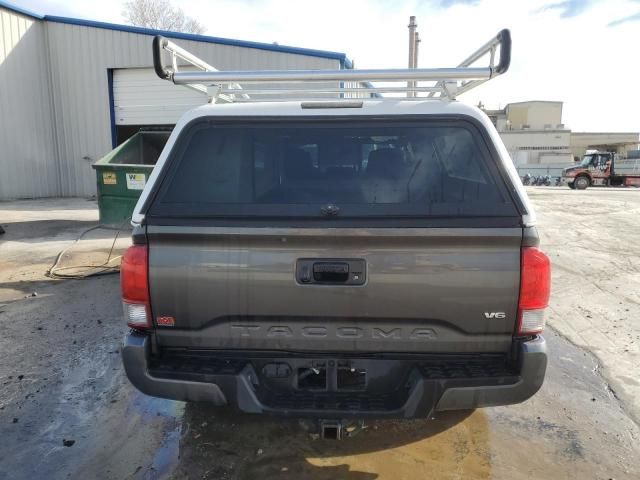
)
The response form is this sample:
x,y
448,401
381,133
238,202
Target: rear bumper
x,y
564,180
236,383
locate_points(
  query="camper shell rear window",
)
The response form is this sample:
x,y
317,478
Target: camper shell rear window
x,y
339,168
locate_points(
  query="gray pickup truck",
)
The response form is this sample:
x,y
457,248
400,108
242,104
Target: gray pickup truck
x,y
336,260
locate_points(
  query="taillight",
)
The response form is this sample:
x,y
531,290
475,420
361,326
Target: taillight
x,y
535,285
135,287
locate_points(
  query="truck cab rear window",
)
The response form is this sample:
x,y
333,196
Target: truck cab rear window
x,y
360,168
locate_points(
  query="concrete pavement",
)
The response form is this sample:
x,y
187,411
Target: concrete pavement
x,y
63,381
593,240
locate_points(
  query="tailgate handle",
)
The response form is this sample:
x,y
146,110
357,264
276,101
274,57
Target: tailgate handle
x,y
342,272
331,272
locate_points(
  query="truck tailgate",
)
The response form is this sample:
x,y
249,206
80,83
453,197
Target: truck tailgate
x,y
424,290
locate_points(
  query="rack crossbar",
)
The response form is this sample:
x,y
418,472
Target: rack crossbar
x,y
302,91
400,75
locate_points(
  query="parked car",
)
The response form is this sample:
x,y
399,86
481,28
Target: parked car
x,y
336,259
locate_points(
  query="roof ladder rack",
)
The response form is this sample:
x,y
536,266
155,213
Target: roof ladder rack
x,y
258,85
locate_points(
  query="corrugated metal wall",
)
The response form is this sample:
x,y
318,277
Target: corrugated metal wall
x,y
80,57
28,160
77,110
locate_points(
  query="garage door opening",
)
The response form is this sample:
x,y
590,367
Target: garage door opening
x,y
125,132
141,101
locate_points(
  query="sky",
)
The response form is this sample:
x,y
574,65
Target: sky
x,y
582,52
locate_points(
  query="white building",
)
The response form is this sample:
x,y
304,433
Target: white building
x,y
71,90
534,134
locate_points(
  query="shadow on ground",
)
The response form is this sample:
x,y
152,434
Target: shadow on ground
x,y
38,231
224,444
52,204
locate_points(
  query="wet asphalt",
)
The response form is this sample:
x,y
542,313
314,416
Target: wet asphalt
x,y
67,411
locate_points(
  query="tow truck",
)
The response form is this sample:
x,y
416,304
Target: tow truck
x,y
597,169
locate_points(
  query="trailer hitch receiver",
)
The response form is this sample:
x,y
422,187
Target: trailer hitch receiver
x,y
338,430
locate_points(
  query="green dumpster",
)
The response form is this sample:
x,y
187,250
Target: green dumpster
x,y
123,173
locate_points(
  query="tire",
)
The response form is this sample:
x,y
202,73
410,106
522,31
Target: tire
x,y
572,185
582,182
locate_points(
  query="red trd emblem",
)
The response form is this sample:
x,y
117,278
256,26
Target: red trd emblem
x,y
166,321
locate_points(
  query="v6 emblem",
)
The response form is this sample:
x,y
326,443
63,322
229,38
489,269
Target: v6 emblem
x,y
495,315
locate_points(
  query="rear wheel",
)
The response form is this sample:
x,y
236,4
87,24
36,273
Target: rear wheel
x,y
581,183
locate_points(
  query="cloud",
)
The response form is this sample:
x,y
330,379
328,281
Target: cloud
x,y
569,8
451,3
631,18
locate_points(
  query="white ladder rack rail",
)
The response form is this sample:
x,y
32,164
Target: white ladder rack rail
x,y
226,85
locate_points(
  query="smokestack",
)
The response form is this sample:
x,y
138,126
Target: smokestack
x,y
412,40
412,49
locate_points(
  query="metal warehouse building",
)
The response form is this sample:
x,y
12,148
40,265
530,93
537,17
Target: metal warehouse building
x,y
73,89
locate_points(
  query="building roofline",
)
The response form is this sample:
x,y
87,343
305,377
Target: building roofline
x,y
23,11
534,101
341,57
539,130
635,134
199,38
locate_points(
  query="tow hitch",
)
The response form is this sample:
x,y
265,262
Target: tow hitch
x,y
339,429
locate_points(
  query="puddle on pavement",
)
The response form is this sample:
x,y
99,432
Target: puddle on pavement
x,y
169,415
486,443
151,407
452,445
159,439
221,444
165,457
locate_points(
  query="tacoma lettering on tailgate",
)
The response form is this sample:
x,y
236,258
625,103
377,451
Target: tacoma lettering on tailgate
x,y
284,331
